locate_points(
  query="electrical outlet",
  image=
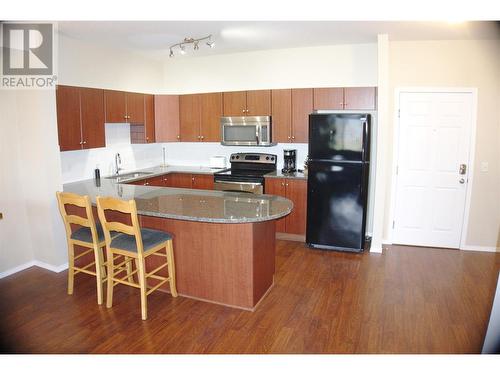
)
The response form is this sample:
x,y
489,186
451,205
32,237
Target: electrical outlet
x,y
484,166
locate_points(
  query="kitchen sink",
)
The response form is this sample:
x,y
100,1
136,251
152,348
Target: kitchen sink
x,y
126,176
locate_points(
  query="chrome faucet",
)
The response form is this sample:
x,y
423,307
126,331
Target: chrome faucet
x,y
118,162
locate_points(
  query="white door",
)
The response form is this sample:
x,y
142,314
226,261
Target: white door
x,y
433,154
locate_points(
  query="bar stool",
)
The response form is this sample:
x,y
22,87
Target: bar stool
x,y
134,243
89,235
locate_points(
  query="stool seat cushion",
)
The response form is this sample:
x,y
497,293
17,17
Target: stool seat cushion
x,y
150,239
85,235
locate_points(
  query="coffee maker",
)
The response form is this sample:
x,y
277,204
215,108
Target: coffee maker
x,y
290,160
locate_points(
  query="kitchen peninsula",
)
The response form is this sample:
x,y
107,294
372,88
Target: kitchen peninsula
x,y
224,242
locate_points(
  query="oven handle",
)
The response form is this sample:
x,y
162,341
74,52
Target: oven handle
x,y
239,183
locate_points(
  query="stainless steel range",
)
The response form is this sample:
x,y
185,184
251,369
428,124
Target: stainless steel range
x,y
246,173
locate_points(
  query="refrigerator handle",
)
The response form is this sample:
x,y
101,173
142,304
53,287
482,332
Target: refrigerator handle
x,y
366,141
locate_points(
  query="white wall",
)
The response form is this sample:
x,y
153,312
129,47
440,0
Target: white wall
x,y
341,65
30,166
459,64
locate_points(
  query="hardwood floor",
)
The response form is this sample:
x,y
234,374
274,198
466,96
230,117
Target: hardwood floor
x,y
406,300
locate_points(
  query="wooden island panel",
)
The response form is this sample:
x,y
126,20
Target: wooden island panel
x,y
229,264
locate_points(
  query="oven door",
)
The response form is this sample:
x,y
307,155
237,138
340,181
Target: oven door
x,y
239,187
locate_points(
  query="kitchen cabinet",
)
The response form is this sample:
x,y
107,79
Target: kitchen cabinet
x,y
302,107
210,114
166,112
296,191
149,118
200,117
143,132
179,180
80,118
281,111
247,103
189,114
121,106
352,98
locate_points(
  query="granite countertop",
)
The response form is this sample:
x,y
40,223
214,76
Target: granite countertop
x,y
209,206
279,174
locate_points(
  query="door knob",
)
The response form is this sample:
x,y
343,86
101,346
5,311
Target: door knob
x,y
462,180
462,169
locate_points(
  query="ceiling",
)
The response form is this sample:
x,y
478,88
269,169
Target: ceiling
x,y
153,38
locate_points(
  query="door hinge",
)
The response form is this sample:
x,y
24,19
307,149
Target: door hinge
x,y
399,113
397,169
393,224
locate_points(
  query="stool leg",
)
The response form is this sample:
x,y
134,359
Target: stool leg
x,y
101,259
71,267
129,269
109,298
142,284
98,273
171,268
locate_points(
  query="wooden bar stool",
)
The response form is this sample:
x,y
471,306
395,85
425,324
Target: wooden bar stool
x,y
134,243
89,235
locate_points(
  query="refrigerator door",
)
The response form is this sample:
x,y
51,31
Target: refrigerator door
x,y
336,205
339,137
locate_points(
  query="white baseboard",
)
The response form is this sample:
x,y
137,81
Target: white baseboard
x,y
51,267
32,263
480,248
17,269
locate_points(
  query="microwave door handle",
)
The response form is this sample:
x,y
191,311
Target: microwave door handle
x,y
257,128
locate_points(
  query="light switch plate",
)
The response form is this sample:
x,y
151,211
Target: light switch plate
x,y
484,166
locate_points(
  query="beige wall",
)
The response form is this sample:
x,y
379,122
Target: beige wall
x,y
459,64
341,65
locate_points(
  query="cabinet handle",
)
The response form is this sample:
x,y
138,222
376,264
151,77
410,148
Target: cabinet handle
x,y
81,142
243,111
289,137
192,179
84,142
293,137
282,184
146,183
202,137
179,137
286,184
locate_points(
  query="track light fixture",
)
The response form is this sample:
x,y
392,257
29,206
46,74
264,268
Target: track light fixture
x,y
194,42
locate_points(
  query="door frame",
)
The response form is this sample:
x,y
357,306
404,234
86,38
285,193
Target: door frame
x,y
470,162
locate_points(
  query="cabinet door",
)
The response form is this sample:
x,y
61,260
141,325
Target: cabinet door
x,y
329,98
202,181
296,191
92,109
281,105
258,103
166,111
189,112
360,98
211,112
235,103
302,107
149,120
276,186
135,108
180,180
156,181
68,118
115,104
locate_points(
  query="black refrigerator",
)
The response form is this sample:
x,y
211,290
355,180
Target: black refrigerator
x,y
337,184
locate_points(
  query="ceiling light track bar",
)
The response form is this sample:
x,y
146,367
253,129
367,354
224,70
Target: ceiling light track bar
x,y
188,41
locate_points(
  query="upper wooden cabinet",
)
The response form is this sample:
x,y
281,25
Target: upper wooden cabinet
x,y
80,118
189,114
115,106
167,125
210,114
302,107
247,103
149,118
355,98
200,117
281,112
125,106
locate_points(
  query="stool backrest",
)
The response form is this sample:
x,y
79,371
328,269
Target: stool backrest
x,y
81,201
108,225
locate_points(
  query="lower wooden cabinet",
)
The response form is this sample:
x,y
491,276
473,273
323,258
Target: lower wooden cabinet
x,y
180,180
296,191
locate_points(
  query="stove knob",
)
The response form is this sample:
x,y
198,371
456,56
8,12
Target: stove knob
x,y
237,156
232,157
267,157
272,158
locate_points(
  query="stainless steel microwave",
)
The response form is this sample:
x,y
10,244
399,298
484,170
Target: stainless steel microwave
x,y
246,131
